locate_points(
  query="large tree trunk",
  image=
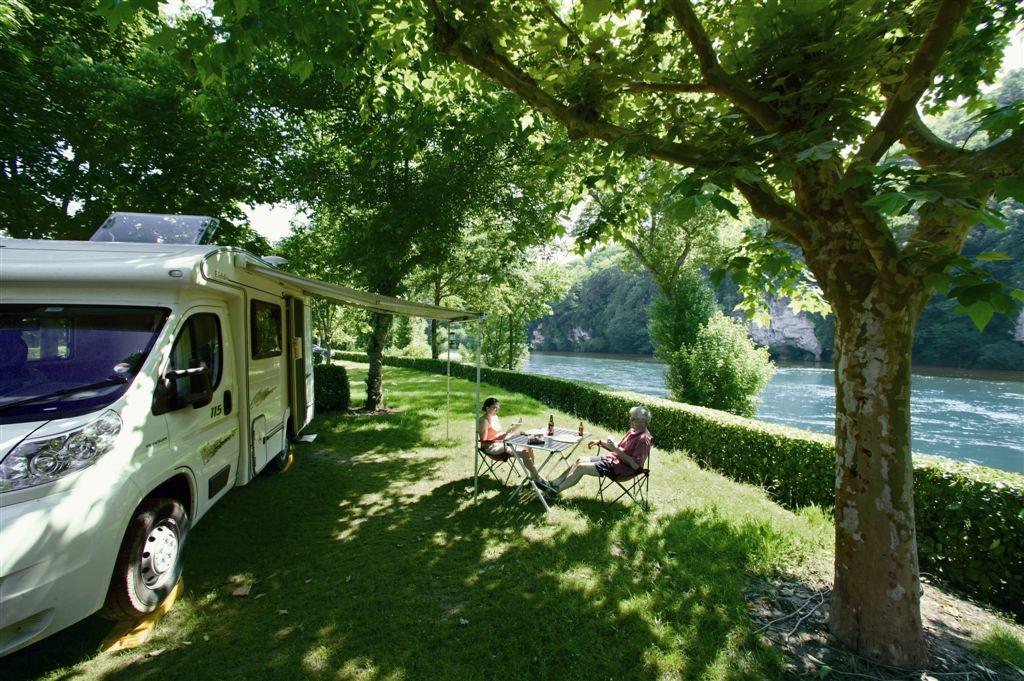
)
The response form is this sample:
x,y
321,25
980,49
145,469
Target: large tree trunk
x,y
375,376
876,595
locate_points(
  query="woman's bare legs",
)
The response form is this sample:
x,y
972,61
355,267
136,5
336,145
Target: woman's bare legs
x,y
525,454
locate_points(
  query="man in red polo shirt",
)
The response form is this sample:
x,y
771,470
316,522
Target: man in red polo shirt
x,y
622,461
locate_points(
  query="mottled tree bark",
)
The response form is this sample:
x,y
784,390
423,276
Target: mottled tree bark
x,y
876,594
375,350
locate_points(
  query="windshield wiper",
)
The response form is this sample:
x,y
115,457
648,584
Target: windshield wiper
x,y
68,391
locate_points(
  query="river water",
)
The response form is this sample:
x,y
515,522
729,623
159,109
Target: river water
x,y
967,415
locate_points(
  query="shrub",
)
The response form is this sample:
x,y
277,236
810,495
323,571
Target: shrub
x,y
970,519
330,388
721,369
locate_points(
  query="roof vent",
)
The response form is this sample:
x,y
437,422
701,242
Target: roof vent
x,y
154,228
274,260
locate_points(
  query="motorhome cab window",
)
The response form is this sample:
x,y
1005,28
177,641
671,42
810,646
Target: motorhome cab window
x,y
266,329
58,361
199,344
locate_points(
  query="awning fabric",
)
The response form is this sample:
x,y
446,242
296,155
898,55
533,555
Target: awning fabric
x,y
367,301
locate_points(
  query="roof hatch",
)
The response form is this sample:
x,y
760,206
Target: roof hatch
x,y
153,228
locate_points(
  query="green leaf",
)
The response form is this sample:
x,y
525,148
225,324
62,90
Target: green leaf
x,y
889,203
594,9
1010,187
990,218
725,205
819,152
980,313
1001,120
303,69
989,256
938,282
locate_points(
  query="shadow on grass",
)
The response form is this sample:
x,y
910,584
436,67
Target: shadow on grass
x,y
369,561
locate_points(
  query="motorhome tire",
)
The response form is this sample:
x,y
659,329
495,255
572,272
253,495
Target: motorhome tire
x,y
150,560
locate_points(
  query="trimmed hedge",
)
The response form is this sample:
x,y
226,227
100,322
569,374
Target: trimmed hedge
x,y
970,519
330,388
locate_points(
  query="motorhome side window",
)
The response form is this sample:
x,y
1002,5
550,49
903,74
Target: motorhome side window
x,y
266,329
199,344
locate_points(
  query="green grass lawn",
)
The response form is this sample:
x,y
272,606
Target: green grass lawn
x,y
370,561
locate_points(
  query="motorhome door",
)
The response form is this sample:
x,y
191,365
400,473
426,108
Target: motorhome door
x,y
300,366
268,380
203,338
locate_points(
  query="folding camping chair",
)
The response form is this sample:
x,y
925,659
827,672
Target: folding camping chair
x,y
496,464
634,486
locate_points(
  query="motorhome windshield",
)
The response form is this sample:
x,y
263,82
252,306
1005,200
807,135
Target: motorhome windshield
x,y
58,361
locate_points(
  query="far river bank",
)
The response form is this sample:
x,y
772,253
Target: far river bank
x,y
970,415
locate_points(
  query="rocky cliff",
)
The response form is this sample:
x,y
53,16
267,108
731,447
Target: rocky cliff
x,y
787,330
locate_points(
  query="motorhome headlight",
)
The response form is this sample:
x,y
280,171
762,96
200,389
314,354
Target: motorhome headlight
x,y
40,460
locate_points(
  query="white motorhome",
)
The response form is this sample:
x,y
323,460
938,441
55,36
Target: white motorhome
x,y
139,382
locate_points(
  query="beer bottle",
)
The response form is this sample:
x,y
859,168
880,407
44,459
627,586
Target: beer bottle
x,y
581,428
551,425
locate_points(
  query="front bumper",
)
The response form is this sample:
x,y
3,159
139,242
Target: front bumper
x,y
57,554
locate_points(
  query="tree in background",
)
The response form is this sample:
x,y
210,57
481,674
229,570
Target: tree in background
x,y
523,199
409,337
402,190
95,119
519,294
676,319
637,204
671,237
334,326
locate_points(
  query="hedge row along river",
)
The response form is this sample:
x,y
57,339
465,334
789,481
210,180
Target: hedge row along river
x,y
971,416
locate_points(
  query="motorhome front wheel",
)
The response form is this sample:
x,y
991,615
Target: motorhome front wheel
x,y
150,560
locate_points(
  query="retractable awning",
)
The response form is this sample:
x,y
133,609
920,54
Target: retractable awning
x,y
386,304
362,299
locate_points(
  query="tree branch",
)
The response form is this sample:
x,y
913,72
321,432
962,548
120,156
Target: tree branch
x,y
647,265
641,86
680,261
565,27
722,82
768,205
927,148
919,76
931,151
874,233
578,124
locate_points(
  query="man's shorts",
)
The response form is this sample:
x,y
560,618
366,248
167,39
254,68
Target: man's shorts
x,y
605,469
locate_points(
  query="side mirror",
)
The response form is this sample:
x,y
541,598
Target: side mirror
x,y
181,388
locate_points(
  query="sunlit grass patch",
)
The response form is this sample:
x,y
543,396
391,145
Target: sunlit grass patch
x,y
1004,644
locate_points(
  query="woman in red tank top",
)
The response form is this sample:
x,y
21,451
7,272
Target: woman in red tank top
x,y
492,437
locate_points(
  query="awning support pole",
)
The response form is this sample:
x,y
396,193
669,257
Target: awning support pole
x,y
476,421
448,368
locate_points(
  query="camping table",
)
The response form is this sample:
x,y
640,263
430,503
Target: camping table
x,y
564,450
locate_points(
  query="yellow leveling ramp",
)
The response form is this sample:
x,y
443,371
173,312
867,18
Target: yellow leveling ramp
x,y
132,634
